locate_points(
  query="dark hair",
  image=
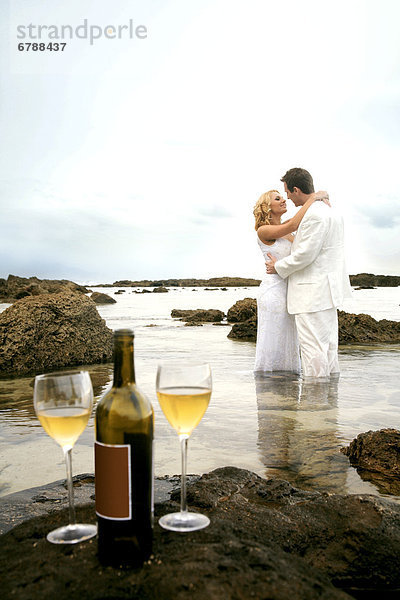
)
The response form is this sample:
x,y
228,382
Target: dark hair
x,y
299,178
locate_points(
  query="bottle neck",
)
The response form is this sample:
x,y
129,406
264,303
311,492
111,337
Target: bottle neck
x,y
124,366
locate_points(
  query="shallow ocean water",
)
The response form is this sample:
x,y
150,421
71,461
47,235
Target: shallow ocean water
x,y
274,425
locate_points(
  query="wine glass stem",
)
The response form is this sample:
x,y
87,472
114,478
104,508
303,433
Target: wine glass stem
x,y
68,464
184,442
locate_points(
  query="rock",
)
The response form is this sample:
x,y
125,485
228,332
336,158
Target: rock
x,y
100,298
160,290
120,292
16,287
51,331
266,539
368,279
363,329
213,282
353,329
242,310
376,456
198,315
246,331
365,287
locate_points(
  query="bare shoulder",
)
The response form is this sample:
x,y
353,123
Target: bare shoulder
x,y
264,235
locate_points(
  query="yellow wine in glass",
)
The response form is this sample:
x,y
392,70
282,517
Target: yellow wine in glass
x,y
63,403
64,424
184,391
184,407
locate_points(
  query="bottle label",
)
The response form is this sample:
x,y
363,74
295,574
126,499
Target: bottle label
x,y
113,481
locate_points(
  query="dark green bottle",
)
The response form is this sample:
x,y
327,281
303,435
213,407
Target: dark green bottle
x,y
124,464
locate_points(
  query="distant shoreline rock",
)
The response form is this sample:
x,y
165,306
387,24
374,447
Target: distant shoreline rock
x,y
13,288
213,282
368,280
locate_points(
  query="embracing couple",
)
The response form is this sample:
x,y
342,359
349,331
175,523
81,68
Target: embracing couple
x,y
305,282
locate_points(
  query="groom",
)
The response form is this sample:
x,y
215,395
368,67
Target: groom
x,y
318,282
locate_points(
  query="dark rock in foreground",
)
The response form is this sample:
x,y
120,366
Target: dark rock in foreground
x,y
51,331
353,329
266,540
160,290
100,298
198,315
376,455
13,288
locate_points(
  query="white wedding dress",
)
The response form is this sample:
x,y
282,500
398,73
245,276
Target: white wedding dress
x,y
277,347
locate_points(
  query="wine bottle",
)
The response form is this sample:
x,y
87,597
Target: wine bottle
x,y
124,464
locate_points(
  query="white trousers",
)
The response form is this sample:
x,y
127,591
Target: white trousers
x,y
318,339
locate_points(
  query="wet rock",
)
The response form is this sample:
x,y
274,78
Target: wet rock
x,y
160,290
363,329
353,329
365,287
198,315
100,298
246,331
242,310
266,539
376,456
51,331
14,287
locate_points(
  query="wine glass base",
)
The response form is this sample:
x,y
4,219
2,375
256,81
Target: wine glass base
x,y
184,521
72,534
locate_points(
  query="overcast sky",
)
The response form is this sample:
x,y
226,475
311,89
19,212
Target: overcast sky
x,y
143,158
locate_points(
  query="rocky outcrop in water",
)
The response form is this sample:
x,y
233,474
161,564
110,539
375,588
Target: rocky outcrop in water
x,y
51,331
160,290
353,329
363,329
13,288
266,539
369,279
198,315
242,310
213,282
100,298
376,456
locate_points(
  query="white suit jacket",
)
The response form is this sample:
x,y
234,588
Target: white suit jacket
x,y
316,266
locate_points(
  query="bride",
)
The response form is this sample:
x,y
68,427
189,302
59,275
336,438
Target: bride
x,y
277,347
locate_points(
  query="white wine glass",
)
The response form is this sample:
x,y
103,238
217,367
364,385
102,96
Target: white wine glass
x,y
184,391
63,403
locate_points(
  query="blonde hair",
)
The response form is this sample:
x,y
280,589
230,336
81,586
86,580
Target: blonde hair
x,y
262,208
